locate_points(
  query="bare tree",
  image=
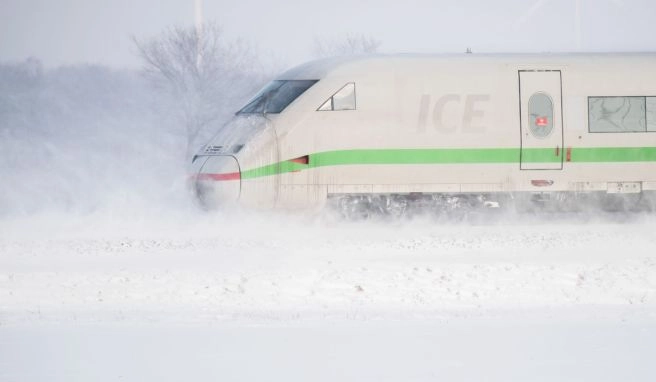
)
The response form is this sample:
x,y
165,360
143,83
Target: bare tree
x,y
204,74
352,44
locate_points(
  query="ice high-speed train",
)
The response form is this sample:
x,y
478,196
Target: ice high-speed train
x,y
392,130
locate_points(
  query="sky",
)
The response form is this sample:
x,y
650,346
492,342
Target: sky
x,y
99,31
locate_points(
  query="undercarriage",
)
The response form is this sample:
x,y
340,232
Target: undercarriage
x,y
364,206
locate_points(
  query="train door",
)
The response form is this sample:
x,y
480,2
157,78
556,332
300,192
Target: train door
x,y
541,120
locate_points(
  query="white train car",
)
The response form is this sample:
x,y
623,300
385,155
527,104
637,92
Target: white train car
x,y
401,128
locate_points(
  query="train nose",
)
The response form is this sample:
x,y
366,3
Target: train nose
x,y
218,181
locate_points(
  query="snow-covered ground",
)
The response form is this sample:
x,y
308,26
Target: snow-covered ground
x,y
208,269
191,296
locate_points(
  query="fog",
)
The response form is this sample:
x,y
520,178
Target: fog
x,y
87,138
98,31
110,271
79,118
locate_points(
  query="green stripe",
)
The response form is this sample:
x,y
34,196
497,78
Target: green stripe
x,y
273,169
614,154
541,156
455,156
414,156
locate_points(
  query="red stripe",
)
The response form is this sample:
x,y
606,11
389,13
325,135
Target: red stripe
x,y
219,177
301,160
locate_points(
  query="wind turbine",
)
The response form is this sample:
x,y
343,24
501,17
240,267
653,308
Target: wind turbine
x,y
577,17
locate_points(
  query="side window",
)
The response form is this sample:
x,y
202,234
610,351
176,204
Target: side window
x,y
344,99
651,114
621,114
540,115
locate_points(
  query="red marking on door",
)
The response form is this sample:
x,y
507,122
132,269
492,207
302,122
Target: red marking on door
x,y
541,121
569,154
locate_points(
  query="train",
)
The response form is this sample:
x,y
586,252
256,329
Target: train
x,y
395,132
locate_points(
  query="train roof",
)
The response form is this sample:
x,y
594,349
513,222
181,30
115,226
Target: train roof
x,y
363,63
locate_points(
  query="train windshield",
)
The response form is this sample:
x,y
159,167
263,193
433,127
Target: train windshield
x,y
276,96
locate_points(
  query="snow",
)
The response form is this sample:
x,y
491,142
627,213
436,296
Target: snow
x,y
458,350
176,295
108,273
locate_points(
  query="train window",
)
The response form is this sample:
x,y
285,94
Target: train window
x,y
618,114
540,114
276,96
327,106
344,99
651,114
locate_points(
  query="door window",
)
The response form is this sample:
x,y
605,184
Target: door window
x,y
540,115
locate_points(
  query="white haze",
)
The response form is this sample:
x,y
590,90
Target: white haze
x,y
108,271
98,31
87,138
177,295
